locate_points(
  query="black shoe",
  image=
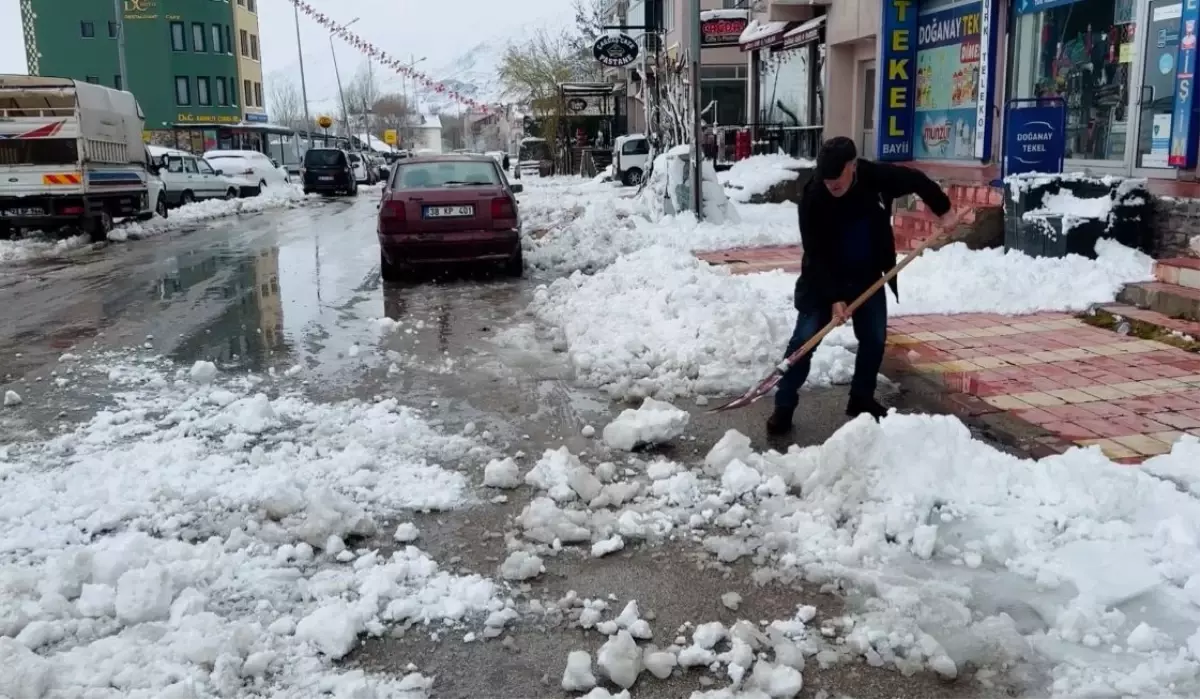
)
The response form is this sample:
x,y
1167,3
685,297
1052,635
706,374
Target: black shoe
x,y
870,406
780,421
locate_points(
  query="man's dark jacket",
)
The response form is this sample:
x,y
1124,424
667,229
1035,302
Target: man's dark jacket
x,y
824,218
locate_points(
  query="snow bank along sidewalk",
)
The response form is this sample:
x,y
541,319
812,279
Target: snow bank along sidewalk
x,y
275,197
756,175
191,540
1064,577
673,325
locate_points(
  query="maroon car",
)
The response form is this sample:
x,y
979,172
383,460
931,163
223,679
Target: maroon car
x,y
440,210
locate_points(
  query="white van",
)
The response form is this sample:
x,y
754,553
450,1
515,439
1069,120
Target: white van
x,y
631,159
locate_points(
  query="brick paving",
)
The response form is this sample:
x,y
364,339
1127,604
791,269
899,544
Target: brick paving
x,y
1070,382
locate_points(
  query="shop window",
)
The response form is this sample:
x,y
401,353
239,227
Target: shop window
x,y
784,87
1083,53
947,96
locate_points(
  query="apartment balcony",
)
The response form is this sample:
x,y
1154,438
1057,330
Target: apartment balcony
x,y
792,10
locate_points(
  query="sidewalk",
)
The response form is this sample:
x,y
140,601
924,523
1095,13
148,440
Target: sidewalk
x,y
1043,382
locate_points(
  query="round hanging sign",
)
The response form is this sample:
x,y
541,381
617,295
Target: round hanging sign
x,y
615,50
577,104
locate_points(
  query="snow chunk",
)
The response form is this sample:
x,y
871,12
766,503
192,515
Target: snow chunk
x,y
144,594
610,545
502,473
406,533
25,675
333,629
521,565
659,663
12,399
578,676
654,422
203,372
620,659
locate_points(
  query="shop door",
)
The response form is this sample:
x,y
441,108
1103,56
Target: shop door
x,y
1153,93
866,92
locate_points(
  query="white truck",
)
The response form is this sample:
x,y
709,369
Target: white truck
x,y
71,156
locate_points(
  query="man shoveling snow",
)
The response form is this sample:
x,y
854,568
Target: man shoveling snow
x,y
846,233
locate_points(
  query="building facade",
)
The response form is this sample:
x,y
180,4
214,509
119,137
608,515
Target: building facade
x,y
249,61
181,56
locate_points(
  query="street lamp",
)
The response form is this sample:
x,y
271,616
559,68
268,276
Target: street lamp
x,y
404,84
338,75
303,87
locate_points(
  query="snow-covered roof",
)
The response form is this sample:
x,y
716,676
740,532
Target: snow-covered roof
x,y
374,143
758,34
706,15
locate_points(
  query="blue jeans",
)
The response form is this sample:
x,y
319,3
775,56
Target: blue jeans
x,y
870,327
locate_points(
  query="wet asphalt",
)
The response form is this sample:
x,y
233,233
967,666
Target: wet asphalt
x,y
298,287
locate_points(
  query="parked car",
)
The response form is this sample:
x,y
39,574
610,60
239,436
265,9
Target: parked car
x,y
156,199
631,158
187,178
362,171
249,164
448,209
328,171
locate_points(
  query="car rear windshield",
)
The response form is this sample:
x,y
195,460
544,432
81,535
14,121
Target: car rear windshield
x,y
323,158
38,151
445,174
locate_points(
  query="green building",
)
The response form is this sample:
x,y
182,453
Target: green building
x,y
179,56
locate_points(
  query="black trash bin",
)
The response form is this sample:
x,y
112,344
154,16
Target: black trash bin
x,y
1032,228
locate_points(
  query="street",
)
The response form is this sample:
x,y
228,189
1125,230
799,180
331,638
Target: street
x,y
314,498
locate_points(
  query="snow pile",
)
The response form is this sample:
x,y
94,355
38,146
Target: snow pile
x,y
655,422
675,326
24,249
668,190
590,230
280,196
757,174
191,538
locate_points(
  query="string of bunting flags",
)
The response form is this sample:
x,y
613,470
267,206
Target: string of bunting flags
x,y
377,54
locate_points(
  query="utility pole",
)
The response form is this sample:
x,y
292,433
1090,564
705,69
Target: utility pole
x,y
693,19
119,20
342,95
308,122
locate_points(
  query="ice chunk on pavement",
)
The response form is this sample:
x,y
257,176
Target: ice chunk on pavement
x,y
12,398
620,659
406,533
502,473
654,422
544,522
924,540
203,372
333,629
25,675
96,601
659,663
144,594
739,478
778,681
588,431
602,693
709,635
611,545
521,565
578,676
552,473
734,445
731,600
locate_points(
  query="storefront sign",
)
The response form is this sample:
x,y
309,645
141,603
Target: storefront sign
x,y
256,118
615,50
140,9
949,56
577,104
722,31
1034,136
1025,7
1183,122
899,52
808,33
205,119
988,14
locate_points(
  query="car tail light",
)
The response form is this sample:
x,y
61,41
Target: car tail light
x,y
503,209
392,217
72,210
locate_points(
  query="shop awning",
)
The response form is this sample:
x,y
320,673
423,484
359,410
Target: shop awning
x,y
812,31
761,35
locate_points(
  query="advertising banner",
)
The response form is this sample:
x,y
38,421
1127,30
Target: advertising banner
x,y
949,56
894,128
1183,121
1025,7
1034,135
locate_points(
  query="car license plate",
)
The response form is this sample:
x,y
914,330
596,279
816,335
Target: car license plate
x,y
449,211
23,211
326,178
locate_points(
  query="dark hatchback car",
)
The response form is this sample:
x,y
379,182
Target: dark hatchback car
x,y
442,210
328,170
